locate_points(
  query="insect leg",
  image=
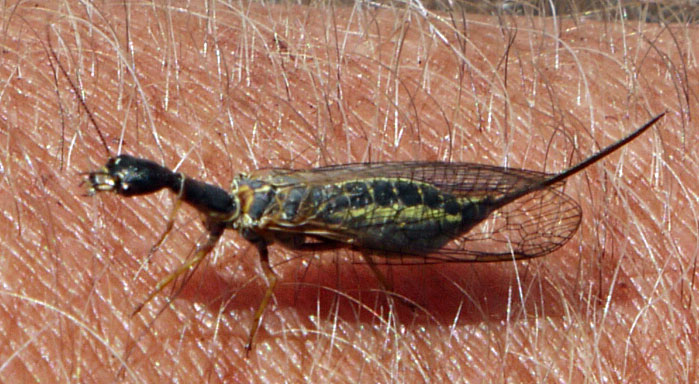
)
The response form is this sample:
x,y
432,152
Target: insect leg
x,y
272,282
333,245
215,230
177,202
383,282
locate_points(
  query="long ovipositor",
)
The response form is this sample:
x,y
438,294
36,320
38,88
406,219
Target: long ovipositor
x,y
418,211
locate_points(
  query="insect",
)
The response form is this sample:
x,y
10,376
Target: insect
x,y
429,212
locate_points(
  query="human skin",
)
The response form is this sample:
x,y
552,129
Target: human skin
x,y
213,92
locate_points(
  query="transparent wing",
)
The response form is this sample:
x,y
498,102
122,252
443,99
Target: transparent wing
x,y
533,225
454,178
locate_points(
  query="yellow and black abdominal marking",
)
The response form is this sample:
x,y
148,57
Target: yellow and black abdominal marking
x,y
419,211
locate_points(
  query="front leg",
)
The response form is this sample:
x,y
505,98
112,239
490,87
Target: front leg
x,y
215,230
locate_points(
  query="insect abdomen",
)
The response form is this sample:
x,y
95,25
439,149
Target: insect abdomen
x,y
389,214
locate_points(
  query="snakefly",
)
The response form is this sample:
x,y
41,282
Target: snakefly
x,y
428,212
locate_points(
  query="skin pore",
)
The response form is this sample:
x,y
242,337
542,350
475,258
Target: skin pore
x,y
232,88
